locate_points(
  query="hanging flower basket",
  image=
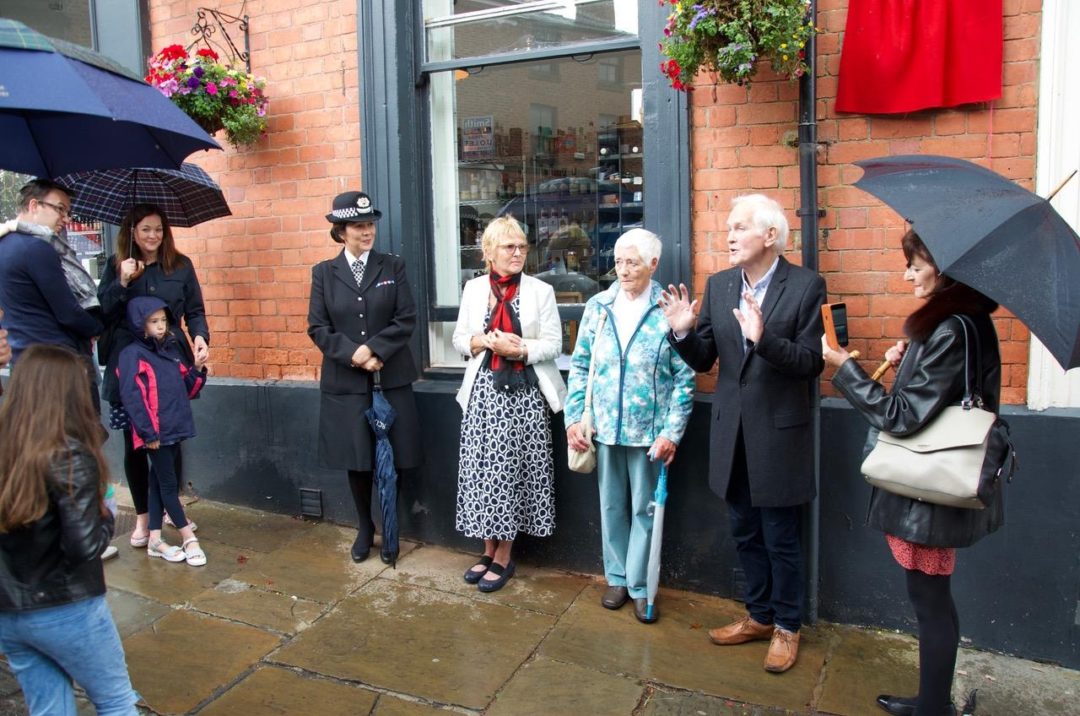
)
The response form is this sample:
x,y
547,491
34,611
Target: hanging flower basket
x,y
214,95
731,38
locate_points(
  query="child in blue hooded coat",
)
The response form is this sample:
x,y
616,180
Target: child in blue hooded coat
x,y
156,387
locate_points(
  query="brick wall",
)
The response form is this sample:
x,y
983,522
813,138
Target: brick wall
x,y
255,266
737,146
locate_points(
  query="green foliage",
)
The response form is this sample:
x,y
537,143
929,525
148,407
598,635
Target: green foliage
x,y
730,37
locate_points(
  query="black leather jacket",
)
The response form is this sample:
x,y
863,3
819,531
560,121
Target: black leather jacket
x,y
930,377
55,560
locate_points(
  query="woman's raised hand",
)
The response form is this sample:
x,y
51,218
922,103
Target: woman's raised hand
x,y
679,310
896,353
130,269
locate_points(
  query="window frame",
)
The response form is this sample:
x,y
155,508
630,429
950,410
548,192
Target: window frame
x,y
394,106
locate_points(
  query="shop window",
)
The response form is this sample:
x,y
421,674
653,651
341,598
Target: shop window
x,y
535,110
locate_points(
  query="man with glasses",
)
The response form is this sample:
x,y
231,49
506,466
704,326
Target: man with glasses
x,y
45,293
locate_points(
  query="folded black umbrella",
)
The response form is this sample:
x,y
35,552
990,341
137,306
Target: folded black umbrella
x,y
381,416
992,234
187,195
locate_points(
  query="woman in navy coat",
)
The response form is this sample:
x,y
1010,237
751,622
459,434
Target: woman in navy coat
x,y
361,316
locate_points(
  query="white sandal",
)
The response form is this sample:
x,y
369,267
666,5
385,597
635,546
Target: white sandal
x,y
168,552
195,557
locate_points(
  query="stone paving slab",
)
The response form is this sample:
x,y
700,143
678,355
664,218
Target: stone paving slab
x,y
392,706
242,528
169,582
314,566
684,703
272,691
240,601
542,590
582,691
183,658
863,664
1009,686
133,613
676,649
438,646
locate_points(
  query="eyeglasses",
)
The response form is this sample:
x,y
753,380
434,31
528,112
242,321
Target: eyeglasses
x,y
511,249
631,264
60,209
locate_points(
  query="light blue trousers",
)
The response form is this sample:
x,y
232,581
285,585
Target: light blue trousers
x,y
627,482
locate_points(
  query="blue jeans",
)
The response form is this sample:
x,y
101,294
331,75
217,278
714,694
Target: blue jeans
x,y
48,648
627,480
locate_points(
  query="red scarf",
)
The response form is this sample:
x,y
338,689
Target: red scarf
x,y
504,319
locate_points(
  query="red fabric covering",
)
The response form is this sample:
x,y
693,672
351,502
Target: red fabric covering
x,y
905,55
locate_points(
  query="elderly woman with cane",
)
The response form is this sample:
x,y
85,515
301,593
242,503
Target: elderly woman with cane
x,y
642,397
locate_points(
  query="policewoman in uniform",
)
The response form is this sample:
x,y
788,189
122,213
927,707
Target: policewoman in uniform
x,y
361,316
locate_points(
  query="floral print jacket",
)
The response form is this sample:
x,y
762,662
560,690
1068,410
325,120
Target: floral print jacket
x,y
641,390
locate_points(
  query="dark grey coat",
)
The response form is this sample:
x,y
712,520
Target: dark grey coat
x,y
768,390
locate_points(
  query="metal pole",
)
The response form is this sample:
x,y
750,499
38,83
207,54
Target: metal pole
x,y
808,213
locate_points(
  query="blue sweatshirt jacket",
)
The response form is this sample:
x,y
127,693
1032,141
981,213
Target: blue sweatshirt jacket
x,y
156,384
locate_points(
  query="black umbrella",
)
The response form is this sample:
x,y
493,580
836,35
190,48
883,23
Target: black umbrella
x,y
992,234
187,195
65,108
381,416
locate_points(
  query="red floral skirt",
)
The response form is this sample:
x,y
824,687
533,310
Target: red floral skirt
x,y
929,560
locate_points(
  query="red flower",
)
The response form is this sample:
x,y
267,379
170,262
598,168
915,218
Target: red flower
x,y
207,52
173,52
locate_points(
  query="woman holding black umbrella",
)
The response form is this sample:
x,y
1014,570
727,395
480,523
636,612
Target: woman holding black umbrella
x,y
361,316
146,263
923,536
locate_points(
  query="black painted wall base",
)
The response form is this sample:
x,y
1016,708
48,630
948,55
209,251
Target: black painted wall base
x,y
1017,591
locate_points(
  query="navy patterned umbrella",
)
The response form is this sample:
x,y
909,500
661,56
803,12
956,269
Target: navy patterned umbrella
x,y
381,416
65,108
187,195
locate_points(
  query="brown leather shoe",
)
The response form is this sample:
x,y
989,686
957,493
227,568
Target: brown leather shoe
x,y
740,632
783,650
614,597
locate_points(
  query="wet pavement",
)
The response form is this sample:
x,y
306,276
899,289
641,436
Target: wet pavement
x,y
282,622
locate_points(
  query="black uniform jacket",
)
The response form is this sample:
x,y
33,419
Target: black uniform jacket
x,y
55,560
766,390
930,377
380,314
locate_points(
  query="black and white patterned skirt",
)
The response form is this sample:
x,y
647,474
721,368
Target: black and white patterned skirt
x,y
506,475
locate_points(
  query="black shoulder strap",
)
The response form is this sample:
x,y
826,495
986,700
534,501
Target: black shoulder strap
x,y
972,393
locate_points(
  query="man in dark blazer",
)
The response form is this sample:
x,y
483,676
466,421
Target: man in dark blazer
x,y
761,320
361,315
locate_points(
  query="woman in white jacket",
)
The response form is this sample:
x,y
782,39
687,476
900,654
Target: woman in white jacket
x,y
509,326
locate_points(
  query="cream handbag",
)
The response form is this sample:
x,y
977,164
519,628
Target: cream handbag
x,y
586,461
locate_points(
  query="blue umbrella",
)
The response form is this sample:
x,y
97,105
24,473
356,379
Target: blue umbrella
x,y
64,108
381,416
652,573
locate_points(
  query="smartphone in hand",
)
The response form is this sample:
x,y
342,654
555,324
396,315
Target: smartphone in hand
x,y
834,318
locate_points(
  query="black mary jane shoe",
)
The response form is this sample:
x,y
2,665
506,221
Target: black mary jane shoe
x,y
503,574
472,575
389,557
361,548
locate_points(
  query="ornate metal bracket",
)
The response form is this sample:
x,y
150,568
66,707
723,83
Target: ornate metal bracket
x,y
211,29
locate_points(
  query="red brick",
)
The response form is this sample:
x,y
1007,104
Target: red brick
x,y
765,113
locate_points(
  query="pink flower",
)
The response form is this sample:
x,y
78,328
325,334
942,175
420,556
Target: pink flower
x,y
211,88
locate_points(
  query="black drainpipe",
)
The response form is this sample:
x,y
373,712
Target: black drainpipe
x,y
808,213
